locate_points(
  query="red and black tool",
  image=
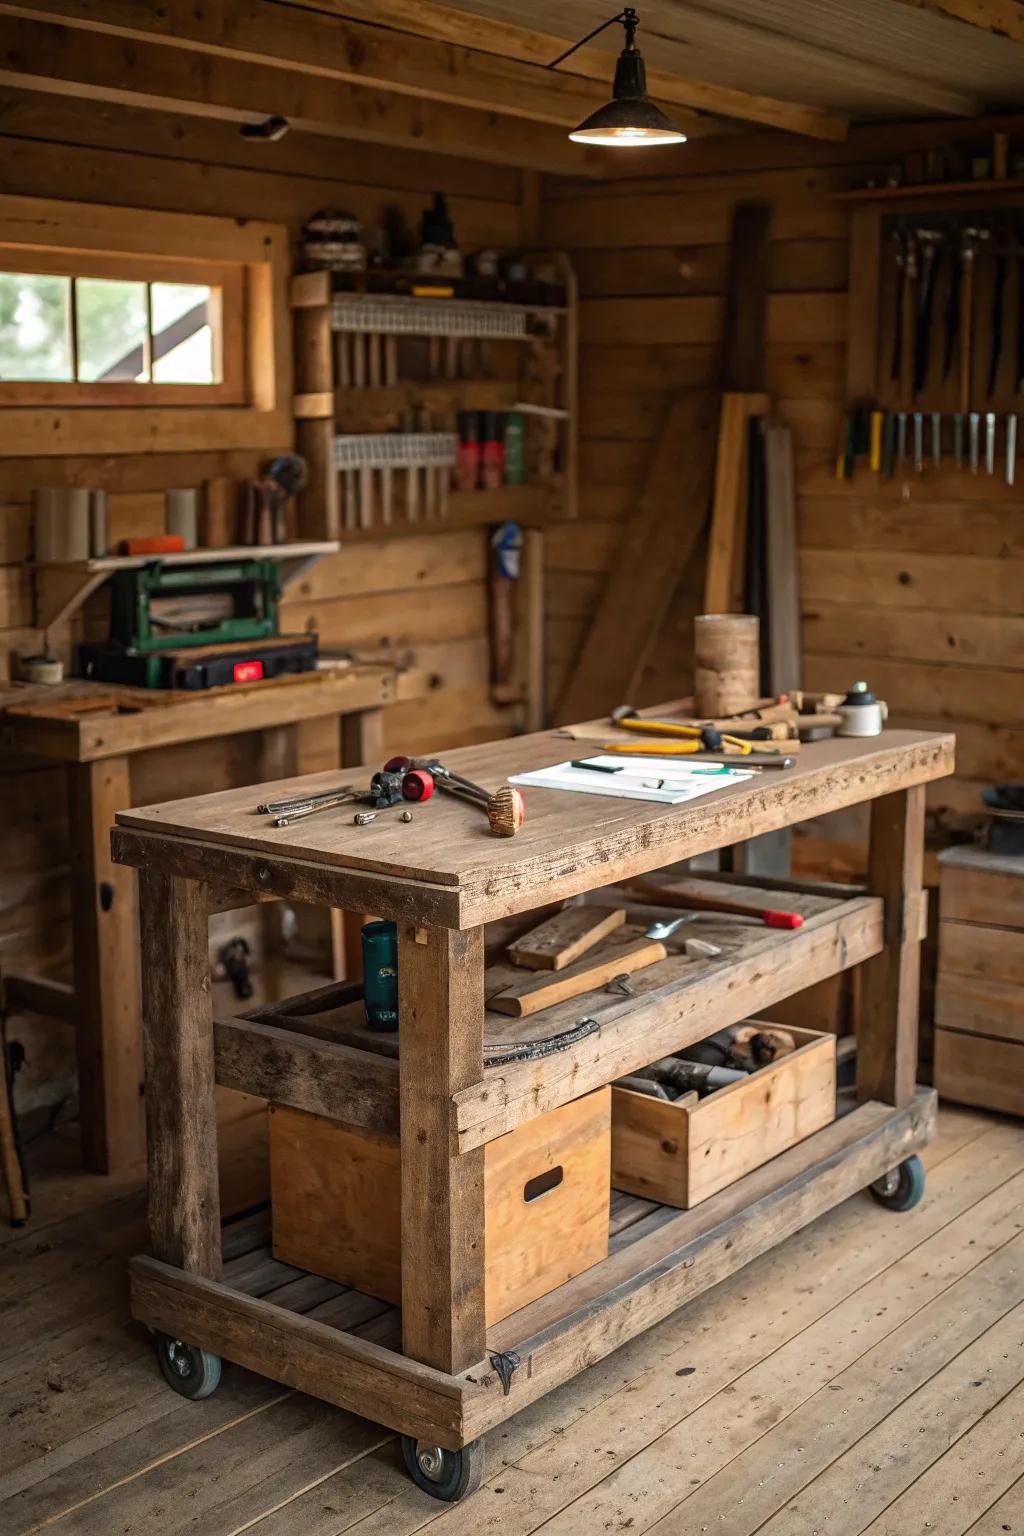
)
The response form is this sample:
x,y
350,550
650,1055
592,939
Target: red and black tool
x,y
669,897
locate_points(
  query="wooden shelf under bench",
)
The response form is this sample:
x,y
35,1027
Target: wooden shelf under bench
x,y
343,1346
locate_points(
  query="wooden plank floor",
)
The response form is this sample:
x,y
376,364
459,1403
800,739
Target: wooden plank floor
x,y
865,1377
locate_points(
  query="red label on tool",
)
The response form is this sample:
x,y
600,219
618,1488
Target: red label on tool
x,y
247,672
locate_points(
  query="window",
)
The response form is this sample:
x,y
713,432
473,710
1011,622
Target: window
x,y
119,331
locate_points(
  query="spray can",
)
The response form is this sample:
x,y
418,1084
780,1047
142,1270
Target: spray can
x,y
492,461
467,459
515,449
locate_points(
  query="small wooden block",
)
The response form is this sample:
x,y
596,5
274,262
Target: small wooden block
x,y
628,951
565,937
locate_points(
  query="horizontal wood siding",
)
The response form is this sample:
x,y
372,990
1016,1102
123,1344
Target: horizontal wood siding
x,y
914,583
422,596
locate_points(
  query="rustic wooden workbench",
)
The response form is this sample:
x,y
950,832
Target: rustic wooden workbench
x,y
96,730
443,877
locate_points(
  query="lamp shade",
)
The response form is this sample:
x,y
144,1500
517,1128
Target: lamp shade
x,y
630,117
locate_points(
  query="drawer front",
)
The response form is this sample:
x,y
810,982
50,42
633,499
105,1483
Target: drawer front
x,y
972,949
981,896
988,1074
977,1005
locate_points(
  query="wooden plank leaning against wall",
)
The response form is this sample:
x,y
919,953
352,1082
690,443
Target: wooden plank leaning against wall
x,y
913,583
426,594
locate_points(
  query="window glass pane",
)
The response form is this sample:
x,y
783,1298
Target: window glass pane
x,y
182,336
33,327
111,329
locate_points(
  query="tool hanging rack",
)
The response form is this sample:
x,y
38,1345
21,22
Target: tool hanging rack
x,y
936,358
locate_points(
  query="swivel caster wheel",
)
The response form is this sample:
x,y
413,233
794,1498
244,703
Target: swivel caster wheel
x,y
447,1475
195,1373
901,1189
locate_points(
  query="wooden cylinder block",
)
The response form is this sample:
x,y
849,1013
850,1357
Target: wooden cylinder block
x,y
220,513
726,663
60,524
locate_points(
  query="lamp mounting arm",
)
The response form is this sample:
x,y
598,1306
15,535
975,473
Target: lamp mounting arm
x,y
629,20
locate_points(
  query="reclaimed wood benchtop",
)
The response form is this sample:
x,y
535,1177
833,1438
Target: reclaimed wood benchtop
x,y
446,867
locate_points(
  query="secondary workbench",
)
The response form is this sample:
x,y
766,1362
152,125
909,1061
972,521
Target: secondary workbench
x,y
96,730
444,1379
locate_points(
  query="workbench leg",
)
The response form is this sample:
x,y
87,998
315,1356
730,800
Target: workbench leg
x,y
103,925
888,1013
278,759
441,1018
181,1116
361,741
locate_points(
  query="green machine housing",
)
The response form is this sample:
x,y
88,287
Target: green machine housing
x,y
240,645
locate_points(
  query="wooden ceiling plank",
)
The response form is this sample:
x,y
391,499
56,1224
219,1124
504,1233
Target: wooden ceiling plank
x,y
41,56
1004,18
468,29
874,73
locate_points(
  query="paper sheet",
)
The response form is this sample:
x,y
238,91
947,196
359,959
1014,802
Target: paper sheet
x,y
658,779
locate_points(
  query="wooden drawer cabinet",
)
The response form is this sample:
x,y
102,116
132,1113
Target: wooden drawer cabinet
x,y
681,1153
336,1202
979,1000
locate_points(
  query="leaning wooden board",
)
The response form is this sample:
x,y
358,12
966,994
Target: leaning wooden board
x,y
565,937
626,951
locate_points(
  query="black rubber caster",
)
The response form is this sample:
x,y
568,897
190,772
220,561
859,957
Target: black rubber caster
x,y
447,1475
195,1373
901,1189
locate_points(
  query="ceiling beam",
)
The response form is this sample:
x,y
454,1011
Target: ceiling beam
x,y
263,32
446,23
40,56
1003,18
328,43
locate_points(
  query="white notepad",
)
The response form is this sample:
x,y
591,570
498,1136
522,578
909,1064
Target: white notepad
x,y
663,780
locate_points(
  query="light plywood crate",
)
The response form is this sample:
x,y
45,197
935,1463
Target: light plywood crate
x,y
335,1200
681,1153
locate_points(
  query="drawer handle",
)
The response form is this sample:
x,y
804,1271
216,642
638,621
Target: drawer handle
x,y
542,1183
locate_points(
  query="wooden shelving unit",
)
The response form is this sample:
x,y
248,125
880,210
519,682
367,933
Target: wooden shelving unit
x,y
377,363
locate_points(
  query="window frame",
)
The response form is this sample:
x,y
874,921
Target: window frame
x,y
226,279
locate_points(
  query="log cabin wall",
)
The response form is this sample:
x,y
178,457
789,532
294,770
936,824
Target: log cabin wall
x,y
913,583
422,594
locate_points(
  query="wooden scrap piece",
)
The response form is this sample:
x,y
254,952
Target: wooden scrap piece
x,y
628,951
565,937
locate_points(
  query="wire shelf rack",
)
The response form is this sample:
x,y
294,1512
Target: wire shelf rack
x,y
429,317
393,450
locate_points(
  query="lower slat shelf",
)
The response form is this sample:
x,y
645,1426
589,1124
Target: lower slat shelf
x,y
310,1053
342,1346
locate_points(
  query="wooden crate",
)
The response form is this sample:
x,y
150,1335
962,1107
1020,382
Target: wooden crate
x,y
335,1197
979,997
681,1153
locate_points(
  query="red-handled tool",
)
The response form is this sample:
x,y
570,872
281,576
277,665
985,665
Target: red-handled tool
x,y
671,897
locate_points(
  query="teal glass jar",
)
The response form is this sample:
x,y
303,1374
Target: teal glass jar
x,y
380,975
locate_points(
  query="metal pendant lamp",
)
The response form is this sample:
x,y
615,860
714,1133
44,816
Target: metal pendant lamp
x,y
630,118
